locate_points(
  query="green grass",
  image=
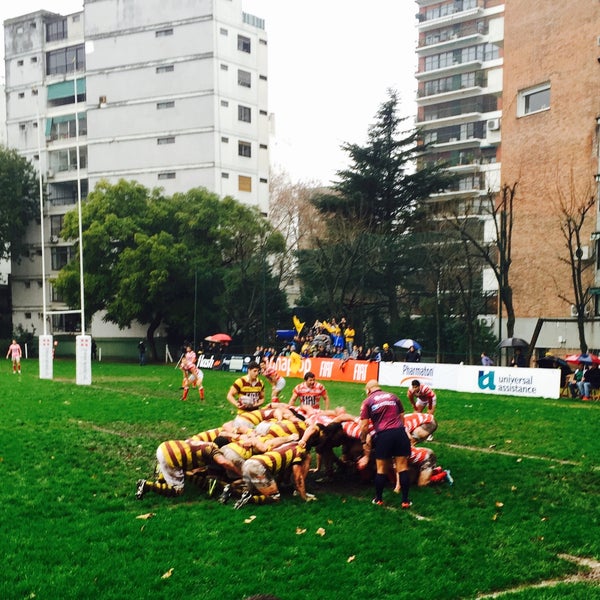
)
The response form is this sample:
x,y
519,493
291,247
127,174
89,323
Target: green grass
x,y
527,490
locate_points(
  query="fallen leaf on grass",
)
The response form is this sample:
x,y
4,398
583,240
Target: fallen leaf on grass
x,y
300,531
167,574
250,519
495,517
146,516
351,558
329,522
499,504
513,488
519,459
320,531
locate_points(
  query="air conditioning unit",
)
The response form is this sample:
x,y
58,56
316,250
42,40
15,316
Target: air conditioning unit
x,y
54,239
574,311
493,124
50,173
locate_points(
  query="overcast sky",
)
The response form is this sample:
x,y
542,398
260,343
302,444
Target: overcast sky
x,y
331,63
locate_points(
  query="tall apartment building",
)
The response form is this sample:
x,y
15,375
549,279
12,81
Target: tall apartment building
x,y
459,99
171,94
508,92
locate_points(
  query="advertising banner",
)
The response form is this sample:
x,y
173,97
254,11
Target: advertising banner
x,y
334,369
510,381
505,381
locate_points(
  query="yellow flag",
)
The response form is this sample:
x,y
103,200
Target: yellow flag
x,y
297,324
295,363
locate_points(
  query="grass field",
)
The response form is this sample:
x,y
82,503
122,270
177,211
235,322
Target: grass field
x,y
522,515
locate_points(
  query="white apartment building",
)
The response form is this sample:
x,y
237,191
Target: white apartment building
x,y
460,79
169,93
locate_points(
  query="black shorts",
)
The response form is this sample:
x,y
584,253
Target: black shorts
x,y
391,443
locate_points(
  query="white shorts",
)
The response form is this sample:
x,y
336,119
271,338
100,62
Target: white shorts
x,y
174,477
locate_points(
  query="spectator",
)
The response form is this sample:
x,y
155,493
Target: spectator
x,y
486,361
349,335
518,360
388,353
412,355
142,352
591,381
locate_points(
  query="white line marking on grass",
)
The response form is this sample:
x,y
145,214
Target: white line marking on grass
x,y
514,454
592,575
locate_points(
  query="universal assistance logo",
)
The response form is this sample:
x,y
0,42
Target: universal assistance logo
x,y
506,384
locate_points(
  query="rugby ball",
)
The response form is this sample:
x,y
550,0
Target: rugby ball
x,y
247,401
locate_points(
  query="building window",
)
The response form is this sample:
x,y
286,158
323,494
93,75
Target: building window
x,y
225,140
22,126
56,225
263,146
224,103
66,159
34,59
244,183
20,63
21,95
34,92
62,61
167,175
224,68
57,30
64,127
165,69
262,77
167,104
244,114
245,149
244,44
163,32
223,31
244,78
61,256
225,175
76,18
262,112
533,100
165,140
263,180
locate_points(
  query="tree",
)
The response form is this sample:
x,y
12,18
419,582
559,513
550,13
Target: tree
x,y
155,259
573,209
497,251
19,201
370,214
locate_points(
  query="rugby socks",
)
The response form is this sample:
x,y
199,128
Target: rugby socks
x,y
163,488
404,485
201,392
186,391
380,481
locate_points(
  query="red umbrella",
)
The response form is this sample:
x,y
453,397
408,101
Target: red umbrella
x,y
221,338
586,359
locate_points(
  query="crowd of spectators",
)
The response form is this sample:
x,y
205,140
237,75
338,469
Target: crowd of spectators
x,y
327,339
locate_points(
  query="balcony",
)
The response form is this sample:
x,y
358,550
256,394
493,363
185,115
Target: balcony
x,y
452,14
456,68
424,99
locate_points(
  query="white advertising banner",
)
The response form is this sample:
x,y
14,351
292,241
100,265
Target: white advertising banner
x,y
441,376
504,381
510,381
46,357
83,359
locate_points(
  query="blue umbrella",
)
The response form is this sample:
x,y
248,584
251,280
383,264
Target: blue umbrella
x,y
407,343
